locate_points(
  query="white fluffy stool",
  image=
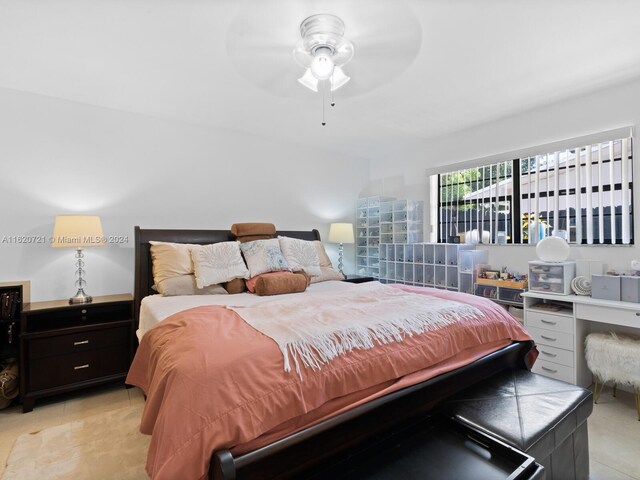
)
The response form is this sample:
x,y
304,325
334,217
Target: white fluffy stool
x,y
614,358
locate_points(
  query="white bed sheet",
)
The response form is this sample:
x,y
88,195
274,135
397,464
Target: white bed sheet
x,y
155,308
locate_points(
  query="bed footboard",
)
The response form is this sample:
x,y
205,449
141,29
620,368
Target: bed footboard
x,y
334,439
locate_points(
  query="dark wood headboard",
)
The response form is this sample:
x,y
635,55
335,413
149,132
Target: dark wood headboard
x,y
143,271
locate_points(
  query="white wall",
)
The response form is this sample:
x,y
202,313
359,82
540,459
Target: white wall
x,y
404,174
62,157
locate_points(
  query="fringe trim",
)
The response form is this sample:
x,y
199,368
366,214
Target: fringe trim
x,y
324,347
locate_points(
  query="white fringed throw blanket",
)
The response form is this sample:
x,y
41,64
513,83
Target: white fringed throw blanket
x,y
317,327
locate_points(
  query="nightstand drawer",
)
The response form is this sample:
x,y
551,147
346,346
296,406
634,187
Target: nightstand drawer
x,y
78,342
61,370
77,315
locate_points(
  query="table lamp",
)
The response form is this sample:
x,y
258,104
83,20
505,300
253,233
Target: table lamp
x,y
341,233
78,231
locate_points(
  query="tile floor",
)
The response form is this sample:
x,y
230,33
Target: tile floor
x,y
614,431
61,409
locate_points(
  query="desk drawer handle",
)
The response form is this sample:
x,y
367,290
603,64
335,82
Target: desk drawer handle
x,y
637,314
551,339
549,322
550,369
549,354
83,342
86,365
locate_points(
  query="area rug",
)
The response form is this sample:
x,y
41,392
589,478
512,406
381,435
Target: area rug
x,y
104,446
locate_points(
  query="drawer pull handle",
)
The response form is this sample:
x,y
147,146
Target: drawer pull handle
x,y
550,369
551,339
86,365
549,322
83,342
549,354
637,314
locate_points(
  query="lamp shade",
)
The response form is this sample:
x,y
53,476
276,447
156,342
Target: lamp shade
x,y
341,233
78,231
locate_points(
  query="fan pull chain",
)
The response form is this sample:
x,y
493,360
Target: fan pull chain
x,y
324,91
333,102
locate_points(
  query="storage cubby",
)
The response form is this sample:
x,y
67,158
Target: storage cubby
x,y
12,297
385,220
468,268
507,292
425,264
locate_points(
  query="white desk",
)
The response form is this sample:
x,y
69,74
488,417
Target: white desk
x,y
560,334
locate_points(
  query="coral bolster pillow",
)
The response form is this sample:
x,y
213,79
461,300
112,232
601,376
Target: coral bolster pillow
x,y
277,283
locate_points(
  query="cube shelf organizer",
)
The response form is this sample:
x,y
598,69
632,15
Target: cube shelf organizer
x,y
384,220
507,292
421,264
468,269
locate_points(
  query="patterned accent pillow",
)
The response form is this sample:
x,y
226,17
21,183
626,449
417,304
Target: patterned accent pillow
x,y
218,263
264,256
300,255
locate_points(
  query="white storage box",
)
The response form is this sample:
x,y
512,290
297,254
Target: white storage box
x,y
551,277
630,289
606,287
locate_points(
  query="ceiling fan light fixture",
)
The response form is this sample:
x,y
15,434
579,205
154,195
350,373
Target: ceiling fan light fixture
x,y
322,51
322,65
309,80
338,79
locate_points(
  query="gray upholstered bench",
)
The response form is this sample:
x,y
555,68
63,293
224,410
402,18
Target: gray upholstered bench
x,y
542,417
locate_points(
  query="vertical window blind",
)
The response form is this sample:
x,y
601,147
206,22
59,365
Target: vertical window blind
x,y
584,194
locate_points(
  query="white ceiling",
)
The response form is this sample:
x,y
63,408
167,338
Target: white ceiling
x,y
422,68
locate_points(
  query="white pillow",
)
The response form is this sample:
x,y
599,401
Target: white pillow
x,y
186,285
300,255
264,256
217,263
328,273
325,261
170,260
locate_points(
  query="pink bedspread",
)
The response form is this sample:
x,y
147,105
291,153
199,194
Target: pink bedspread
x,y
214,382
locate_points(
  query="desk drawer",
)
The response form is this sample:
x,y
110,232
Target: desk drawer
x,y
78,342
549,321
618,316
49,372
551,338
554,370
555,355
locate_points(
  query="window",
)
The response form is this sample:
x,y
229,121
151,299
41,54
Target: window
x,y
584,194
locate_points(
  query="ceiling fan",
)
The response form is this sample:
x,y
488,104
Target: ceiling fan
x,y
323,51
377,45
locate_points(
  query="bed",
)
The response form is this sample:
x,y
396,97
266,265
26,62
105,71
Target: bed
x,y
307,441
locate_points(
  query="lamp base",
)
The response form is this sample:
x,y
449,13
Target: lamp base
x,y
80,297
340,253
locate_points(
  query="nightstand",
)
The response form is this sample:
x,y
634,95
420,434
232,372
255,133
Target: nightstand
x,y
66,347
357,279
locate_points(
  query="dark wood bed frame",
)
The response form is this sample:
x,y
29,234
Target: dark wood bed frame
x,y
335,439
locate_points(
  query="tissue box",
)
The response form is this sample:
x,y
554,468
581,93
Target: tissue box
x,y
630,289
606,287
